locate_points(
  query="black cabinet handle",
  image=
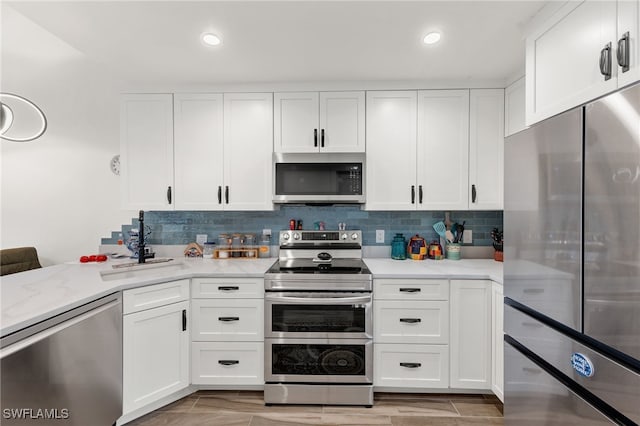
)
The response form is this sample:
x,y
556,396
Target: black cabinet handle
x,y
622,53
473,193
420,194
322,138
228,319
228,361
605,61
228,287
169,194
410,364
410,290
315,137
219,194
226,194
413,194
184,320
410,320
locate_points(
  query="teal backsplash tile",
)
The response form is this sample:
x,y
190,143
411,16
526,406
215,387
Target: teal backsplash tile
x,y
181,227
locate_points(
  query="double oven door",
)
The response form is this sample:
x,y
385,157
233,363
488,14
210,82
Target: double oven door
x,y
318,337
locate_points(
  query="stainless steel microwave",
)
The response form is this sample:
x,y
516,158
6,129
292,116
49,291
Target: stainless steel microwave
x,y
318,178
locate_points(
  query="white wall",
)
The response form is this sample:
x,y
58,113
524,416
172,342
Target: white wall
x,y
58,193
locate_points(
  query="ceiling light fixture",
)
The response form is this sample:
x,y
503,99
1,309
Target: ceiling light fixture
x,y
431,38
211,39
7,117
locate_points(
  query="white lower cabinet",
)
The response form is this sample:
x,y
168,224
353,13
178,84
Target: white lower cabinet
x,y
470,342
411,333
155,354
411,366
227,363
497,341
227,337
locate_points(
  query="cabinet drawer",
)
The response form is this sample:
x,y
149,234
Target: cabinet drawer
x,y
411,322
152,296
398,289
228,288
411,366
227,363
239,320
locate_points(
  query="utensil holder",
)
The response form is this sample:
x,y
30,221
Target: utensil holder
x,y
453,251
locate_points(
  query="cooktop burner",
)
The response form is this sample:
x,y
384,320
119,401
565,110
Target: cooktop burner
x,y
307,266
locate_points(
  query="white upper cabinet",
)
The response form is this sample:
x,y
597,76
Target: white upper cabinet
x,y
486,149
391,150
514,107
628,42
319,122
443,149
146,151
248,145
198,151
579,53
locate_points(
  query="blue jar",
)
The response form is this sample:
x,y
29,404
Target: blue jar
x,y
399,247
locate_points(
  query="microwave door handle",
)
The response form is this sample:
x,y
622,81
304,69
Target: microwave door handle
x,y
319,300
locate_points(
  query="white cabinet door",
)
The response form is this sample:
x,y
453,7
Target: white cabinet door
x,y
470,344
342,122
155,354
443,149
198,151
497,340
391,150
486,149
146,151
563,58
248,142
629,22
296,125
514,106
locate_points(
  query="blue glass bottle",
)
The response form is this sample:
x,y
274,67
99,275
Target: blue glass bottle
x,y
399,247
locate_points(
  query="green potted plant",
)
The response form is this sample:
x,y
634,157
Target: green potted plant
x,y
496,236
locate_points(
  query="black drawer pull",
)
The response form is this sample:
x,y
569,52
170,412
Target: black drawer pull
x,y
410,290
228,361
228,319
410,364
228,288
410,320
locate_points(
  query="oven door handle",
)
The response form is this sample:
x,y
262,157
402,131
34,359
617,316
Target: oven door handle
x,y
318,300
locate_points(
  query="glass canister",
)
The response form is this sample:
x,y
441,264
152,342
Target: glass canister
x,y
224,243
250,245
208,249
265,246
398,247
236,245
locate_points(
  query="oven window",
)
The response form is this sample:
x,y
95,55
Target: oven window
x,y
318,318
318,360
319,179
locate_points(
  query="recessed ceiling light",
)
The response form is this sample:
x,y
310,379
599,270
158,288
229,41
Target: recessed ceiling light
x,y
211,39
431,38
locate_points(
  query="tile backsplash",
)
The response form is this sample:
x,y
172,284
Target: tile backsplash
x,y
181,227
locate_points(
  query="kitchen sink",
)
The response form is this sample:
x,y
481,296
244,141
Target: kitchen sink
x,y
139,270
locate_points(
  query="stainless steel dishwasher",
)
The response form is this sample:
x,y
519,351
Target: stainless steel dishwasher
x,y
66,370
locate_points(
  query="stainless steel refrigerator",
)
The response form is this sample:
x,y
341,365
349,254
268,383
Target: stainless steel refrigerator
x,y
572,267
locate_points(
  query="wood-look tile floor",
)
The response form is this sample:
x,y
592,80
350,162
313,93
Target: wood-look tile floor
x,y
244,408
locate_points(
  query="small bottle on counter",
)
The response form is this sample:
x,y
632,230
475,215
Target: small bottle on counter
x,y
265,246
300,224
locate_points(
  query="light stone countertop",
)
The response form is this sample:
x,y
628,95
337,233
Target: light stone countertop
x,y
453,269
29,297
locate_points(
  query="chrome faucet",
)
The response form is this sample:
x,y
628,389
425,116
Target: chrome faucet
x,y
141,254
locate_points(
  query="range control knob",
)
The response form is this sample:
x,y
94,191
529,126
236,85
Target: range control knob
x,y
285,237
354,236
296,236
344,236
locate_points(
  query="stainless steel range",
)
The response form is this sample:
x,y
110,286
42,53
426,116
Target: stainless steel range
x,y
318,321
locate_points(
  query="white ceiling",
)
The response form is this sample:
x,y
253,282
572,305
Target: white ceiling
x,y
292,41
